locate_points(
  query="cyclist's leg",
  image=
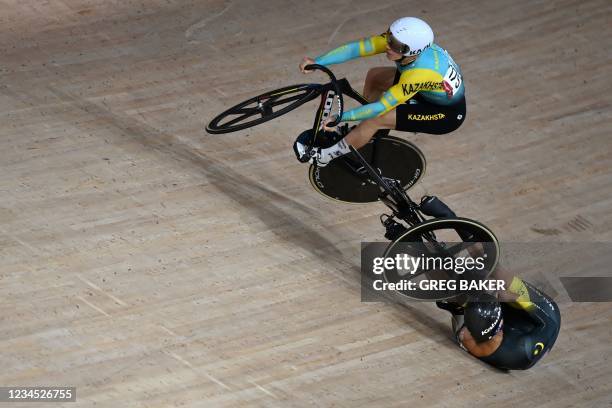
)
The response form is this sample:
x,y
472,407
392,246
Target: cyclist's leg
x,y
416,116
358,137
363,132
421,116
377,81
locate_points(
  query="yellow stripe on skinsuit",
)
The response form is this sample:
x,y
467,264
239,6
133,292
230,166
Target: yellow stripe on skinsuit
x,y
362,50
518,288
388,107
372,46
379,42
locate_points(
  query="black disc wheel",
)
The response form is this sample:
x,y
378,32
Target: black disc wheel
x,y
463,250
392,157
262,108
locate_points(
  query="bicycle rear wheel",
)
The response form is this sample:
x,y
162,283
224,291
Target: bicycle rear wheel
x,y
393,157
262,108
456,238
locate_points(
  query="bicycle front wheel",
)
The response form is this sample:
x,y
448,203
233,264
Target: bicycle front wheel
x,y
262,108
444,259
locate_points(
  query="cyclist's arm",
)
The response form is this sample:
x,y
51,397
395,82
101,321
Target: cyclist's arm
x,y
409,84
535,303
524,295
361,48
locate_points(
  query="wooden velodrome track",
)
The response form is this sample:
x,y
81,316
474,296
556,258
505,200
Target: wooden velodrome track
x,y
150,264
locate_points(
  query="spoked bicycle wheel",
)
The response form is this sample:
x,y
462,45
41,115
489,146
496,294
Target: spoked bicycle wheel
x,y
262,108
392,157
463,250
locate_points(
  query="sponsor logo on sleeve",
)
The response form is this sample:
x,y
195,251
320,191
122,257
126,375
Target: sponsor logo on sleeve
x,y
409,89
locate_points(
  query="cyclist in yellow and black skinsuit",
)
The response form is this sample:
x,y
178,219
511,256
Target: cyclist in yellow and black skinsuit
x,y
528,328
427,94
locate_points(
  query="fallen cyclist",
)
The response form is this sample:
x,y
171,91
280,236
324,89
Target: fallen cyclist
x,y
510,330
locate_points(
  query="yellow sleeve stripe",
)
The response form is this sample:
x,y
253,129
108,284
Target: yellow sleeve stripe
x,y
379,43
420,75
388,107
362,51
518,287
396,91
372,45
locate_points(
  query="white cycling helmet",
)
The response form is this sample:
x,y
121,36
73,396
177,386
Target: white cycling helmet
x,y
409,36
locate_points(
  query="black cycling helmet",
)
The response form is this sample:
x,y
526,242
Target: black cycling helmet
x,y
483,317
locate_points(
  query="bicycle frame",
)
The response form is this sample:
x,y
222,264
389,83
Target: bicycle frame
x,y
328,93
392,194
390,191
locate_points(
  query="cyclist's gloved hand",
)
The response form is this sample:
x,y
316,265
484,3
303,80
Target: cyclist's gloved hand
x,y
331,118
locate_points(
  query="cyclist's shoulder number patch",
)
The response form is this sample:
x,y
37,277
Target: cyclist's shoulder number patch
x,y
452,80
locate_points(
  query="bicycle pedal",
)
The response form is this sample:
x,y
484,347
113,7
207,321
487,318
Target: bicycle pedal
x,y
386,221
